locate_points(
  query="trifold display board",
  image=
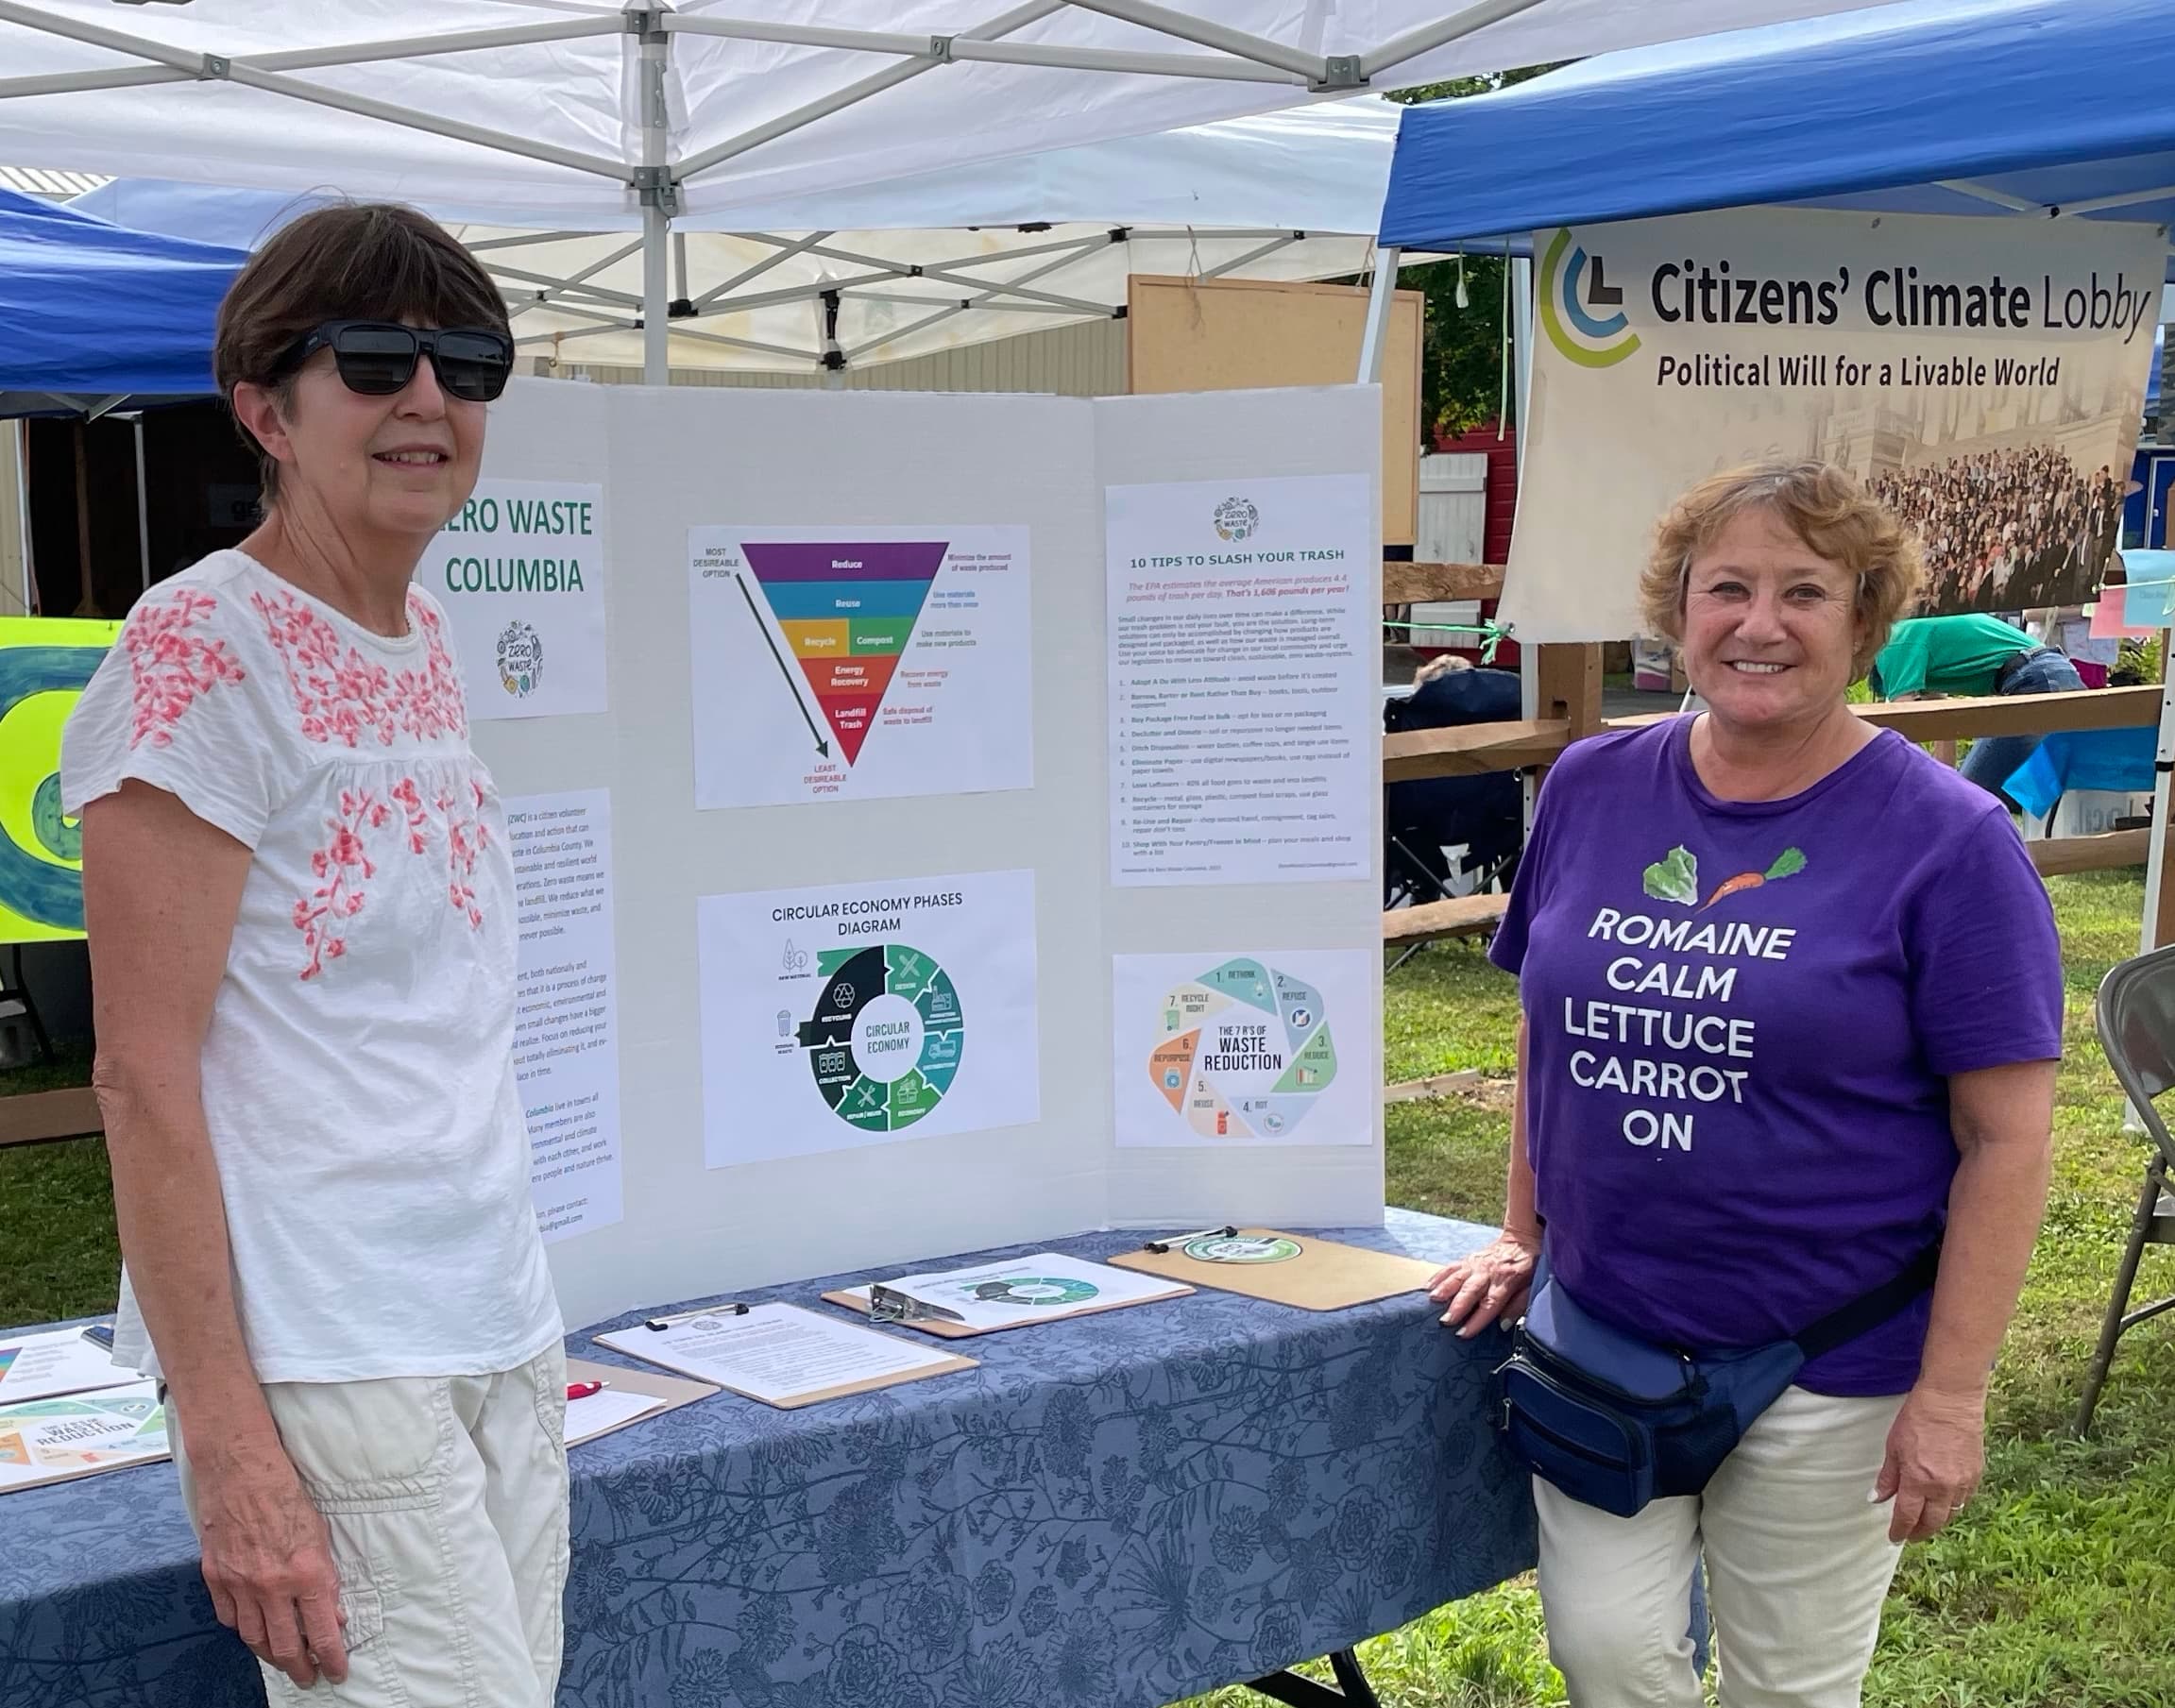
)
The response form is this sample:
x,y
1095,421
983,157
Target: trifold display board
x,y
978,841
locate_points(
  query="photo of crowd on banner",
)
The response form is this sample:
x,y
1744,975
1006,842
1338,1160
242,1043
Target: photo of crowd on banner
x,y
2007,530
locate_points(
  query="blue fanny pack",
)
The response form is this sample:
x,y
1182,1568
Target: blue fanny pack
x,y
1615,1421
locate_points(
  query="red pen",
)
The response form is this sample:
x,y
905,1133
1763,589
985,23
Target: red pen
x,y
582,1389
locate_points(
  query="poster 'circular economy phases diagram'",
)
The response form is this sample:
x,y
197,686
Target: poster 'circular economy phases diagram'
x,y
1245,1051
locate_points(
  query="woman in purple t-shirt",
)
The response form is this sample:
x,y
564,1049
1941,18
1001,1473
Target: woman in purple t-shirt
x,y
1791,1006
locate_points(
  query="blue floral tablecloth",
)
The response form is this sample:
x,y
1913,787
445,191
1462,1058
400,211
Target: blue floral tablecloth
x,y
1109,1512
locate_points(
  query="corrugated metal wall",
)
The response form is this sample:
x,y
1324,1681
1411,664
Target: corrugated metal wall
x,y
1085,359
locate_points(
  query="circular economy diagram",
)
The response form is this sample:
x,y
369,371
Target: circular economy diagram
x,y
1245,1051
1035,1290
885,1040
1243,1248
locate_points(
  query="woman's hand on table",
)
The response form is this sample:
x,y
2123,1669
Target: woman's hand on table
x,y
1488,1286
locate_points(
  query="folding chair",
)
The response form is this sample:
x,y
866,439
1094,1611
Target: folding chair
x,y
2135,1014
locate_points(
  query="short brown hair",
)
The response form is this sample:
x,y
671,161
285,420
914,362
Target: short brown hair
x,y
1824,506
355,260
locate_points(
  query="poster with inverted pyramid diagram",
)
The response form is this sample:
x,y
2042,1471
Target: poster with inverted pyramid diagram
x,y
1237,1049
859,663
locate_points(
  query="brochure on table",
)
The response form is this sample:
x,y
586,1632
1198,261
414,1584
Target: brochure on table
x,y
824,904
55,1360
46,1441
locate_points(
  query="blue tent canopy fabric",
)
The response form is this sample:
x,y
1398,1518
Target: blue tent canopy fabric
x,y
89,310
1966,107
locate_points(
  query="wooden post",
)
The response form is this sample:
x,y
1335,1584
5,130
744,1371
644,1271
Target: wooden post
x,y
88,604
1570,687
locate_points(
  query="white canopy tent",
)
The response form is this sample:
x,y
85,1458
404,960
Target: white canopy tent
x,y
571,115
914,265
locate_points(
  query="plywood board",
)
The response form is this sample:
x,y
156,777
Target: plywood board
x,y
1321,1274
1228,334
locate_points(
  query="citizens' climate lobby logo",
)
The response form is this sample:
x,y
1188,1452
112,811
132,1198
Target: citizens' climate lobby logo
x,y
1574,291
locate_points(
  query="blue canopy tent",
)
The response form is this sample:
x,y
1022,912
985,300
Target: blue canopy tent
x,y
95,317
2048,108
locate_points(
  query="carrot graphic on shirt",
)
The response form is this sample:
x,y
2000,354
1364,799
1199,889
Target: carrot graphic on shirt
x,y
1676,877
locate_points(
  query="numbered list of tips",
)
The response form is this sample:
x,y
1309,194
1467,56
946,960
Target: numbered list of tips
x,y
1243,720
566,1013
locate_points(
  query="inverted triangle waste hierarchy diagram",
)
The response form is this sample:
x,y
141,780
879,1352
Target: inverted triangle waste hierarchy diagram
x,y
847,612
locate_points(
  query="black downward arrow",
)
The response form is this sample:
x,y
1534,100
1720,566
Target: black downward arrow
x,y
822,747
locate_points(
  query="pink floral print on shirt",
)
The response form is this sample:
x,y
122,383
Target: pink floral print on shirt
x,y
170,668
342,696
343,865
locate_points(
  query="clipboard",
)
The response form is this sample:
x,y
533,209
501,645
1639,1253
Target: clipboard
x,y
675,1391
624,1340
1318,1274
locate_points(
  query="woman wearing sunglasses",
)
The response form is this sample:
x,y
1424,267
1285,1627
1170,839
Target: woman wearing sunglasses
x,y
300,912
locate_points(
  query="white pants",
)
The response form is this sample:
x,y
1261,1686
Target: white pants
x,y
447,1501
1798,1563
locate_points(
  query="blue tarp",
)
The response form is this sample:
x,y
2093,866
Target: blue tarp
x,y
2047,102
93,310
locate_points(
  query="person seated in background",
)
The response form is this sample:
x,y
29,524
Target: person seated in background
x,y
1423,817
1973,655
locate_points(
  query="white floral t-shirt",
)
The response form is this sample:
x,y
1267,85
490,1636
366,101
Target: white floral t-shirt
x,y
358,1075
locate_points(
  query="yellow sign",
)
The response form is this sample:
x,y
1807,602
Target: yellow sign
x,y
45,663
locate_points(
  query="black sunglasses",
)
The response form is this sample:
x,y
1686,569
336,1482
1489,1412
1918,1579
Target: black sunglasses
x,y
377,358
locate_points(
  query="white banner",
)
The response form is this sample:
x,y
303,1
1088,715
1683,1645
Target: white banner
x,y
520,572
1985,376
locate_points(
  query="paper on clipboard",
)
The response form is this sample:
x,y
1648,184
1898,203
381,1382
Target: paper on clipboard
x,y
1013,1292
783,1355
1284,1269
628,1396
47,1441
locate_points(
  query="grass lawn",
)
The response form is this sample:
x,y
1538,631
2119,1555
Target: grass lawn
x,y
2057,1590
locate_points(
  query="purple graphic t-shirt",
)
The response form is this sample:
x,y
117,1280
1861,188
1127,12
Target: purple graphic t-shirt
x,y
1740,1019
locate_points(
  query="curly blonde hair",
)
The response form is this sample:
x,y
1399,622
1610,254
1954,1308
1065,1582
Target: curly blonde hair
x,y
1824,506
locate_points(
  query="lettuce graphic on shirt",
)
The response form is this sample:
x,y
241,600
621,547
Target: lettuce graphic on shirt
x,y
1676,879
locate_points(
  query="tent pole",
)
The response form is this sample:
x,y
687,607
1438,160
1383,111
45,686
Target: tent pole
x,y
2158,928
658,195
143,508
1378,301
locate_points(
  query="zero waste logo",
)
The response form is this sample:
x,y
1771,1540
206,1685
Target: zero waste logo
x,y
1571,291
1236,519
520,659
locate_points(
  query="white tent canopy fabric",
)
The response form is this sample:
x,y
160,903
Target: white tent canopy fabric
x,y
561,114
1275,196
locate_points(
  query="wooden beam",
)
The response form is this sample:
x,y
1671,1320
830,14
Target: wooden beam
x,y
1462,916
1471,749
1569,687
2055,855
35,1116
1420,584
1434,1085
2000,714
